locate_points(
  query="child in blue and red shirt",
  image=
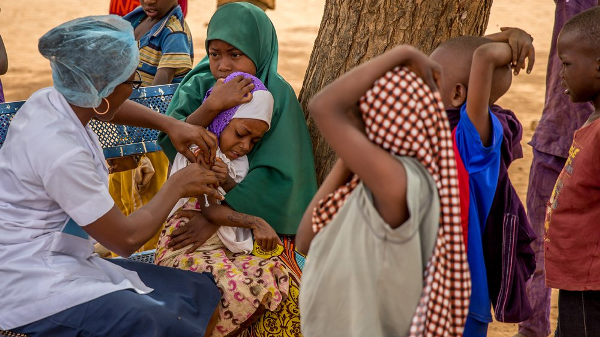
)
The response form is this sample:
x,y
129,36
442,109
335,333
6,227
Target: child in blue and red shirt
x,y
478,137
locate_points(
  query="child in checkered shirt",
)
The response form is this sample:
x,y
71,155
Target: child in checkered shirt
x,y
378,212
476,71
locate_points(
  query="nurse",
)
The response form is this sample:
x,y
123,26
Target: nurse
x,y
54,198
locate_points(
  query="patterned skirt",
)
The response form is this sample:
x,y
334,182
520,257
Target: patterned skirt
x,y
247,283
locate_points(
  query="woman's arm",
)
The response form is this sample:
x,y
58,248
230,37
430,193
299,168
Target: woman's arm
x,y
223,96
338,176
222,215
380,172
215,215
124,235
182,134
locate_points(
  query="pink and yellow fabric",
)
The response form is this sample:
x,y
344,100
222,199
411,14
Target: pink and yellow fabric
x,y
250,285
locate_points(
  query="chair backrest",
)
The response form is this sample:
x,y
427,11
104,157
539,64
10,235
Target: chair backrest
x,y
7,112
116,140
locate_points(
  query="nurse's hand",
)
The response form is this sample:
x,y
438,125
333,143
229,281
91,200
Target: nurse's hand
x,y
195,180
195,232
183,135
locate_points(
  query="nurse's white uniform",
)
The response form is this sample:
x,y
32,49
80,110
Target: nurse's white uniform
x,y
53,179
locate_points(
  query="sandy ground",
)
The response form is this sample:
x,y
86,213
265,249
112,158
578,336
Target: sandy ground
x,y
297,23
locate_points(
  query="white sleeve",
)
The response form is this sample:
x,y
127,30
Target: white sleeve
x,y
72,181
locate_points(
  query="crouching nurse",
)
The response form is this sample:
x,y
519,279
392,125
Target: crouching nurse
x,y
54,199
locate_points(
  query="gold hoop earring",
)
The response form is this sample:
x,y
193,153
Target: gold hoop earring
x,y
107,107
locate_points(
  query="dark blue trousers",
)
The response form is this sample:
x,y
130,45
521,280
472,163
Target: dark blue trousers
x,y
181,304
578,314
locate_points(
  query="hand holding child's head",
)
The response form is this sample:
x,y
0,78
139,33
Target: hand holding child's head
x,y
225,95
428,70
456,58
240,127
402,114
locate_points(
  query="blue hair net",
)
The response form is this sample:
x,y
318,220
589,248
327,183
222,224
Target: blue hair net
x,y
89,57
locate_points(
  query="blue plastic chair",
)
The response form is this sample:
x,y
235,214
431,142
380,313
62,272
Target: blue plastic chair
x,y
116,140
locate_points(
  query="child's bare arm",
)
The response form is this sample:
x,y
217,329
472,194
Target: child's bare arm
x,y
222,215
221,170
181,134
383,174
485,59
3,58
338,176
521,44
164,76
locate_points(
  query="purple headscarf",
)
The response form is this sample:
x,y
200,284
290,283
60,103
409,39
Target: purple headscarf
x,y
224,117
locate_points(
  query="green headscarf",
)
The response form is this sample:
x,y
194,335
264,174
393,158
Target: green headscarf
x,y
281,180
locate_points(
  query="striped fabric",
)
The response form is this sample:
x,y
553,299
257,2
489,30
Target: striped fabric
x,y
123,7
403,116
167,45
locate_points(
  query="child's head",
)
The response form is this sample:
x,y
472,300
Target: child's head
x,y
241,127
240,135
157,9
225,59
243,32
456,56
579,50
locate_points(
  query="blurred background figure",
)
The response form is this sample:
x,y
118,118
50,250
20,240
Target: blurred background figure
x,y
122,7
262,4
3,66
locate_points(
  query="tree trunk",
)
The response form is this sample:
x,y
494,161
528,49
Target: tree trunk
x,y
354,31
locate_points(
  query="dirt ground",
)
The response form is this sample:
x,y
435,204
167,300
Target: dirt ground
x,y
297,22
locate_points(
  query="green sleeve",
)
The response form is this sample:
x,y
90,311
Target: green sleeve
x,y
185,101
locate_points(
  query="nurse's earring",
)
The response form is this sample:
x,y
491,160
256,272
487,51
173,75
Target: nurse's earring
x,y
107,107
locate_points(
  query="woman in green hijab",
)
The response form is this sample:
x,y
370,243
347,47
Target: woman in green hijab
x,y
281,179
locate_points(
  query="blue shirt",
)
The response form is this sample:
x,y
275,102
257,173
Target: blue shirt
x,y
168,44
483,165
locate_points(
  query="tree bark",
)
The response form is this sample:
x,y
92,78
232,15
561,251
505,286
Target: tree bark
x,y
354,31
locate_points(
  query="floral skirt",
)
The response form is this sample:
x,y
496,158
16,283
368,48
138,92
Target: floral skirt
x,y
246,283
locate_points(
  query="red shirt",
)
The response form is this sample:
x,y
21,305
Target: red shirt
x,y
123,7
573,217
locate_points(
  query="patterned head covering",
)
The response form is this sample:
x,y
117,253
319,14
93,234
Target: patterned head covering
x,y
404,117
261,106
